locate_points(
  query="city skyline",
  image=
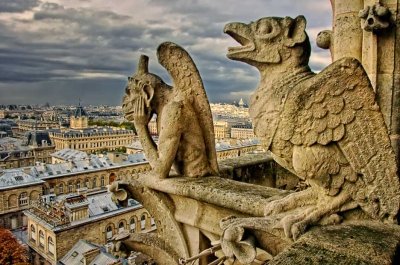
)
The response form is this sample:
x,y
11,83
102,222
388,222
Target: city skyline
x,y
58,51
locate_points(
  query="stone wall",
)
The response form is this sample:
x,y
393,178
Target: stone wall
x,y
12,204
94,231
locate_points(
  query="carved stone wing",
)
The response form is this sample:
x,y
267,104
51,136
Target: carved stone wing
x,y
339,107
188,86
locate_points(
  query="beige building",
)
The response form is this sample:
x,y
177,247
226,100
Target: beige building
x,y
25,126
242,132
79,120
92,139
54,227
221,129
17,190
153,127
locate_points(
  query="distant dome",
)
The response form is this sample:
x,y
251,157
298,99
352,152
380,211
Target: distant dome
x,y
241,103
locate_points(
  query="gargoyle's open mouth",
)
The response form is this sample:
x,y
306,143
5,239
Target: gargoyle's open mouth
x,y
239,32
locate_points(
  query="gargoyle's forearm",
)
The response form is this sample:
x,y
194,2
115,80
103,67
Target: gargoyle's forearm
x,y
149,147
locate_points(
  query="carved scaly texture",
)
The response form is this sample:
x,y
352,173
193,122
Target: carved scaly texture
x,y
339,129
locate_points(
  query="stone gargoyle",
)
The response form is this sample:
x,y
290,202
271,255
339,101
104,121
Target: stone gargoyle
x,y
184,120
326,128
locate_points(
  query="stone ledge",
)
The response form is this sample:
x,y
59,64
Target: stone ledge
x,y
238,196
361,242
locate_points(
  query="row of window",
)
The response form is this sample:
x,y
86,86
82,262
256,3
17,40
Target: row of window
x,y
84,184
42,241
21,200
132,226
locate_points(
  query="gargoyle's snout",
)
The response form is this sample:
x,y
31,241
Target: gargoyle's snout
x,y
243,35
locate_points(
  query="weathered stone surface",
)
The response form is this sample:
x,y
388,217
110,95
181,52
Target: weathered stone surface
x,y
184,120
242,197
368,243
325,128
376,18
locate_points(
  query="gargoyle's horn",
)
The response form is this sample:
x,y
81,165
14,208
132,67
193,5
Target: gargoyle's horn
x,y
143,66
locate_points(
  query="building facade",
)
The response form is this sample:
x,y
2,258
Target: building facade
x,y
25,126
242,132
92,139
221,130
80,119
16,153
55,227
17,190
19,187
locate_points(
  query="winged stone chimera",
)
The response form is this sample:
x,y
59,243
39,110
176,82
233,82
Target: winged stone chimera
x,y
184,120
326,128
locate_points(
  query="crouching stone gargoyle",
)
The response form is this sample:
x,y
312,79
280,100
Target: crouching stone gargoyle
x,y
184,120
326,128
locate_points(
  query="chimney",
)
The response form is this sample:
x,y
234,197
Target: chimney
x,y
90,255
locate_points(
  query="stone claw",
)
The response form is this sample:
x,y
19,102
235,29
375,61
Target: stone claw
x,y
274,207
298,229
293,226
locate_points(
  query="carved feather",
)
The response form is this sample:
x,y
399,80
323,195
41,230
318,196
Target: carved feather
x,y
345,113
188,86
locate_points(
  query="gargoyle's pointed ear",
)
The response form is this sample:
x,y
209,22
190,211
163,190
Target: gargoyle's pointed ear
x,y
295,31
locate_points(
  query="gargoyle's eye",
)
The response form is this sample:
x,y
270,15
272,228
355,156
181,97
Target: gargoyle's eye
x,y
267,29
264,28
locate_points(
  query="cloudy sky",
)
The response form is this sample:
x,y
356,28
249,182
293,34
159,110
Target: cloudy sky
x,y
58,51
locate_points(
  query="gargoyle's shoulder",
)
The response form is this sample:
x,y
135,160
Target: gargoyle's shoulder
x,y
342,70
333,80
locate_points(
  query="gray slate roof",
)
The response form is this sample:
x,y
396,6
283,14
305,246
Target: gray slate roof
x,y
13,178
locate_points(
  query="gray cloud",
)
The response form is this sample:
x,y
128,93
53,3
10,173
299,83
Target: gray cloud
x,y
17,6
66,50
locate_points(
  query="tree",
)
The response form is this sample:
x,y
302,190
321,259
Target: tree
x,y
11,252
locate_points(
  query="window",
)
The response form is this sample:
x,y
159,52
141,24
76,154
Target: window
x,y
109,232
102,181
143,222
121,227
33,233
19,178
132,225
50,245
41,239
86,183
61,188
78,185
23,199
94,184
70,187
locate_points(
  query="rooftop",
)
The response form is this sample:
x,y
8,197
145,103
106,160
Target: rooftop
x,y
75,255
12,144
80,112
92,131
54,210
70,154
12,178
